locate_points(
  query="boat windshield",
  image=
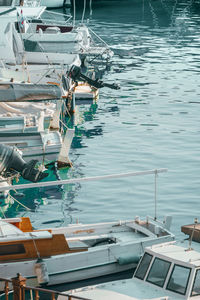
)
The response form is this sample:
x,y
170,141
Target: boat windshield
x,y
158,272
196,286
179,279
143,266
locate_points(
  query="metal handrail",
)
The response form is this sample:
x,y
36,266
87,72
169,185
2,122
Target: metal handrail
x,y
53,293
5,279
36,290
98,37
75,180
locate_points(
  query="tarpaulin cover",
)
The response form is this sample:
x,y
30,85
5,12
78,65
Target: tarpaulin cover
x,y
23,92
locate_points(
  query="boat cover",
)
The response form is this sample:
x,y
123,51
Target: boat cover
x,y
27,109
23,92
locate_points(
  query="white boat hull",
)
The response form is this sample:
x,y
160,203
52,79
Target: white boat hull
x,y
40,146
98,260
52,58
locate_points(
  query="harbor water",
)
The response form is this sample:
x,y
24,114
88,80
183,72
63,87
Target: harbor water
x,y
151,122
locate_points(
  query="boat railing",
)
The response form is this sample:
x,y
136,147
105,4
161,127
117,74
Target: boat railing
x,y
6,287
167,218
51,294
20,291
51,14
99,38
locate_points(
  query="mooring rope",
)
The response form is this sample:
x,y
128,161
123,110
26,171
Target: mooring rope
x,y
19,202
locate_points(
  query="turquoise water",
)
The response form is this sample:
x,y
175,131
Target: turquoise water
x,y
152,122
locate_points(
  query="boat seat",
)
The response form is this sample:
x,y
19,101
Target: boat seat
x,y
77,244
141,229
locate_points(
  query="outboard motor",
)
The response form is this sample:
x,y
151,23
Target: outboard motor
x,y
75,74
11,160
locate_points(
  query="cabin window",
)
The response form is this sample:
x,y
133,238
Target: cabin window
x,y
158,272
179,279
143,266
12,249
196,286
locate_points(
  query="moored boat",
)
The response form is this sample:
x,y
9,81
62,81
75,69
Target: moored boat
x,y
63,39
43,146
75,252
13,52
166,271
12,164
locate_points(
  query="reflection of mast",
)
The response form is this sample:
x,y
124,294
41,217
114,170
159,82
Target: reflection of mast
x,y
155,18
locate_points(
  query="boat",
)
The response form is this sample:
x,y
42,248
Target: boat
x,y
45,146
76,252
21,124
47,34
165,271
16,54
193,230
63,39
12,45
22,109
12,164
24,92
29,116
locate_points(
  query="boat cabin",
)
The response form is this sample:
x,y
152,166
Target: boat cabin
x,y
172,268
18,241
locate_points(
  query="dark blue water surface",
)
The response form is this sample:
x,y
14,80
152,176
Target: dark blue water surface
x,y
152,122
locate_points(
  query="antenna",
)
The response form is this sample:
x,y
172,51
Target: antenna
x,y
191,237
155,194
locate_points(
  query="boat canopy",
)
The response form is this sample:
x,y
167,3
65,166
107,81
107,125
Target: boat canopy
x,y
11,92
